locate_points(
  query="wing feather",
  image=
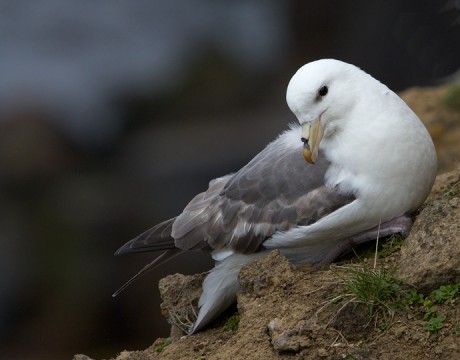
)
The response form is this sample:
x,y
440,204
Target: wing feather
x,y
275,191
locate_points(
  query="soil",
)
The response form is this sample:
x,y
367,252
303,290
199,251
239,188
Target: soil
x,y
288,312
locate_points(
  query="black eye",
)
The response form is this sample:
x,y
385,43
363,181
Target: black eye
x,y
323,91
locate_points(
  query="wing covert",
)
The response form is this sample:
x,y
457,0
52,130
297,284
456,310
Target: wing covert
x,y
276,191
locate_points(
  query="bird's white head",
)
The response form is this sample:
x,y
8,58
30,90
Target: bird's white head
x,y
320,93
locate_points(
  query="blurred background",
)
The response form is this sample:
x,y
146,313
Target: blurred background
x,y
113,115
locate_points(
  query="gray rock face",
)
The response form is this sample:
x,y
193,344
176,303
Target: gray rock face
x,y
430,255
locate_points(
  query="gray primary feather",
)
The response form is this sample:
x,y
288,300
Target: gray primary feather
x,y
155,238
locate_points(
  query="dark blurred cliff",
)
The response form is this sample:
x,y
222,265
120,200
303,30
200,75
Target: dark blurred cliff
x,y
114,115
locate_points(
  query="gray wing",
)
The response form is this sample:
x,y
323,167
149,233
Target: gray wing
x,y
276,191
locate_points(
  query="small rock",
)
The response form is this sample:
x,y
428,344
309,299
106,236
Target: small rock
x,y
399,331
286,338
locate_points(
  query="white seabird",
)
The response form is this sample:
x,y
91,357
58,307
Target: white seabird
x,y
372,162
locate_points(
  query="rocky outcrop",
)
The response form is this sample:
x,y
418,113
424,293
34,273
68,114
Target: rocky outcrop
x,y
430,255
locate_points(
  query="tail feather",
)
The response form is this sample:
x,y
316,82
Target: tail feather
x,y
220,288
166,256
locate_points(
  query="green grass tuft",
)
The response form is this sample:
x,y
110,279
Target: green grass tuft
x,y
377,289
384,295
452,190
232,323
390,246
163,345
